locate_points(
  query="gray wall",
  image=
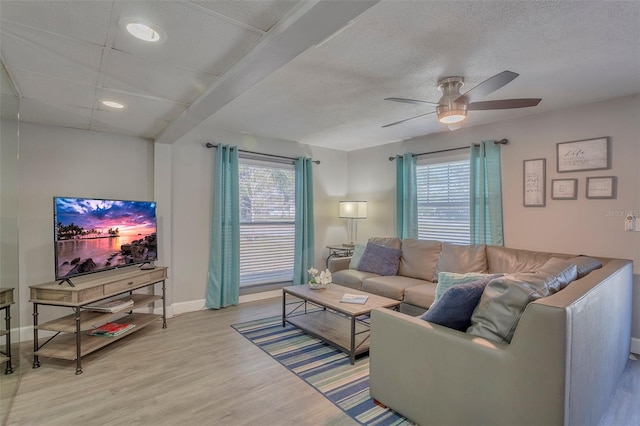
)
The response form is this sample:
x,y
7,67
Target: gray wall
x,y
579,226
58,161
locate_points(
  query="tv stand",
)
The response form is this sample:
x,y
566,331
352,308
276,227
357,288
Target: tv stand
x,y
71,341
68,281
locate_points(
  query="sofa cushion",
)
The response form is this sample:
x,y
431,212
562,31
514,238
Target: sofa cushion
x,y
455,307
351,277
462,258
380,259
509,260
585,264
421,295
505,298
355,257
392,287
419,258
447,280
392,242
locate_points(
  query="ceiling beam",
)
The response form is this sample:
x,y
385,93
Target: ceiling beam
x,y
307,25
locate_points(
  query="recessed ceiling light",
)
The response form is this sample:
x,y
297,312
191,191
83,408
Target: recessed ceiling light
x,y
143,30
112,104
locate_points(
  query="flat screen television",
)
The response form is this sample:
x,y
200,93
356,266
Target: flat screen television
x,y
93,235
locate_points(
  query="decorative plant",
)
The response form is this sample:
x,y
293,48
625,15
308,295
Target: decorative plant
x,y
323,278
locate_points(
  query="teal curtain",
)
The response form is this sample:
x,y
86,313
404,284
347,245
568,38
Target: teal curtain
x,y
486,194
304,256
223,279
406,197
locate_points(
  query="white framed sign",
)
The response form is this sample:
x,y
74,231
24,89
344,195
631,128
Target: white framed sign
x,y
587,154
564,189
602,187
534,183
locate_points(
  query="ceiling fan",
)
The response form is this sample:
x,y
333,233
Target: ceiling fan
x,y
453,106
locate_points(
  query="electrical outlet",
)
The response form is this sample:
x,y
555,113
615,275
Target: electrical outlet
x,y
630,223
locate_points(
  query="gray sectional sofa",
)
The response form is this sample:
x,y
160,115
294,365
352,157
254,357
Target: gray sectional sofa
x,y
559,367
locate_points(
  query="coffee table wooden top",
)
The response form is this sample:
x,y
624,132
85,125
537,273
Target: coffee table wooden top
x,y
331,295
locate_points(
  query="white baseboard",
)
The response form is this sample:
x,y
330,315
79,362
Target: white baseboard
x,y
635,345
184,307
198,305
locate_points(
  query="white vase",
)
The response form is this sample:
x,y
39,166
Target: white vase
x,y
317,286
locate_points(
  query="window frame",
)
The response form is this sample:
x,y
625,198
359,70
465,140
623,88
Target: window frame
x,y
249,286
455,236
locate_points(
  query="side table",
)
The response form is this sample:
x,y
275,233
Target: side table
x,y
339,250
6,300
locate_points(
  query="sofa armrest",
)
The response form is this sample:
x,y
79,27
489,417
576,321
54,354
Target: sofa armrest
x,y
436,375
336,264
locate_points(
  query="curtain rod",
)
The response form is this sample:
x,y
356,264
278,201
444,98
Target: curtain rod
x,y
500,142
210,145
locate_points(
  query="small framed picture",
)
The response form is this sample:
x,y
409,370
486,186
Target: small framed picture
x,y
564,189
601,187
534,182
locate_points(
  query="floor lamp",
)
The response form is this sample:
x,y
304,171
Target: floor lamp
x,y
353,210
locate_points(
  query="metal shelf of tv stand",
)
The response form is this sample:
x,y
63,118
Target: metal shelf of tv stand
x,y
70,341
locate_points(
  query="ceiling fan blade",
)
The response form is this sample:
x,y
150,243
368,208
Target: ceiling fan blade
x,y
503,104
490,85
410,101
408,119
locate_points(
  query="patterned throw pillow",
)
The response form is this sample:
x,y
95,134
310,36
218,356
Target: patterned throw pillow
x,y
358,250
447,280
380,260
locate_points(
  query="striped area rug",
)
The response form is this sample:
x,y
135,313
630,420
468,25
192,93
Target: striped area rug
x,y
323,367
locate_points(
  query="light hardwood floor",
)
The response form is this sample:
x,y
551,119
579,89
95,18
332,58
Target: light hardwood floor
x,y
200,371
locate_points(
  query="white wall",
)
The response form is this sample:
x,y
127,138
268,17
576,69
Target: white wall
x,y
192,169
581,226
56,161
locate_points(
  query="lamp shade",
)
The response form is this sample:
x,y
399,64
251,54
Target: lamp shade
x,y
353,209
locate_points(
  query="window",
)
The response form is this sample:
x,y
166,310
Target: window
x,y
267,222
443,199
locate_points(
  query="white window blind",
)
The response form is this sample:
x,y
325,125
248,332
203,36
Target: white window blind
x,y
443,199
267,222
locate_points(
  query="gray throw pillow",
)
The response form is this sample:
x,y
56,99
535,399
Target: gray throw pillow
x,y
585,264
455,307
505,299
380,260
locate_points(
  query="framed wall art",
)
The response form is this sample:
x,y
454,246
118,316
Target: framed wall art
x,y
564,189
587,154
534,175
601,187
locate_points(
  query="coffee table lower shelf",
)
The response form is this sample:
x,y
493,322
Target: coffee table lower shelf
x,y
333,329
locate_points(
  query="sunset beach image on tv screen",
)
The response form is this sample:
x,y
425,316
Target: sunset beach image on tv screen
x,y
95,234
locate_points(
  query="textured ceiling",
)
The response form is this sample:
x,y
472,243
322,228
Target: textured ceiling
x,y
259,67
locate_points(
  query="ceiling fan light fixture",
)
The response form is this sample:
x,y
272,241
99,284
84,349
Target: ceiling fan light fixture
x,y
452,116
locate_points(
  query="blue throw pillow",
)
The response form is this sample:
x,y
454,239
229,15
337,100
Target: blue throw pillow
x,y
380,260
455,308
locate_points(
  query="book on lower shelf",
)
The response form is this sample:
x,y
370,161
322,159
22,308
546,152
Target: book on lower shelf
x,y
110,329
110,306
360,299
